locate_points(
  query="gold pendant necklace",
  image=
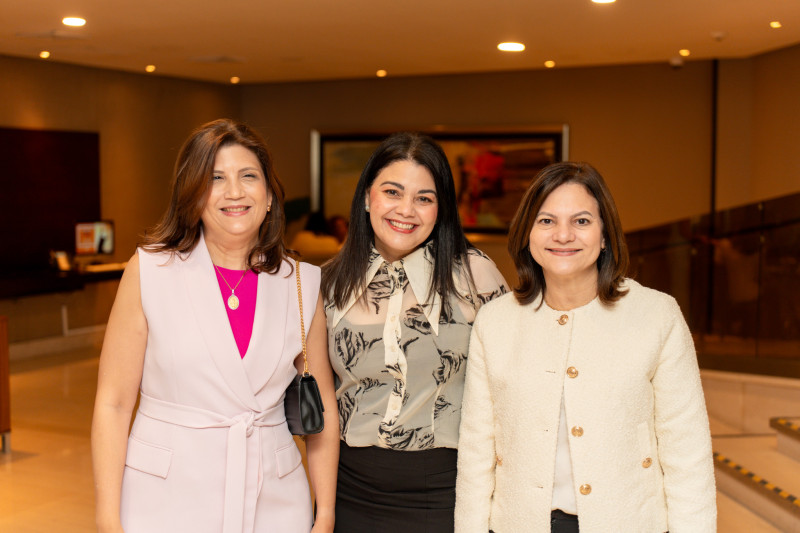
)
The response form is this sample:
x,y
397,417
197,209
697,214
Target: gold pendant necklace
x,y
233,300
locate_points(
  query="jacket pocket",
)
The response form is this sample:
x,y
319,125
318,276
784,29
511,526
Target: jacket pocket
x,y
287,459
148,458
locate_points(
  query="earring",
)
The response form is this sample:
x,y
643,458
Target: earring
x,y
366,208
269,208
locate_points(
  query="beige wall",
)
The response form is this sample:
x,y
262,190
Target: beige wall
x,y
758,128
646,127
142,121
776,124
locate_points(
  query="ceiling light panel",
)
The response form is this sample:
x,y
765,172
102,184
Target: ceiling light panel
x,y
75,22
511,47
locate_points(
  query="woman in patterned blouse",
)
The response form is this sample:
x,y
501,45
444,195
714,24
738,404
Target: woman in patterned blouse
x,y
401,298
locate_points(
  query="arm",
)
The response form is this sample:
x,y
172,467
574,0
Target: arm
x,y
681,426
476,444
322,449
119,377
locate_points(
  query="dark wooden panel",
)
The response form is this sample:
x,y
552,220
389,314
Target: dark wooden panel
x,y
51,181
5,390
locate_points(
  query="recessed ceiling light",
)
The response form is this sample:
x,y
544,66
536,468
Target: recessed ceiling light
x,y
549,64
235,80
381,73
775,24
684,52
73,21
511,47
44,54
150,68
604,1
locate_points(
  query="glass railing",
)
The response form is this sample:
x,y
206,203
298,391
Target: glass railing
x,y
737,280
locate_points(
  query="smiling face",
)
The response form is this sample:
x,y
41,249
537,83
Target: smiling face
x,y
567,236
403,207
238,200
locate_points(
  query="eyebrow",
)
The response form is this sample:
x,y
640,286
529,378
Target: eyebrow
x,y
399,186
245,169
582,213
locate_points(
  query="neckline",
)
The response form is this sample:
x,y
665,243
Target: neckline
x,y
574,309
239,270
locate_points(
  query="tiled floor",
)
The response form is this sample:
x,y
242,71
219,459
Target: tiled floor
x,y
46,481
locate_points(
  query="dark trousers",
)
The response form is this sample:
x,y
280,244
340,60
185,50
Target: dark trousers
x,y
561,522
391,491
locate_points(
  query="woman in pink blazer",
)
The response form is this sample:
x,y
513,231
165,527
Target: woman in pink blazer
x,y
205,332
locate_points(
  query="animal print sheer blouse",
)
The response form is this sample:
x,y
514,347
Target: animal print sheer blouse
x,y
400,363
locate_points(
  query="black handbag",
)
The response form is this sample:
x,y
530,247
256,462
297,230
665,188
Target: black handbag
x,y
302,402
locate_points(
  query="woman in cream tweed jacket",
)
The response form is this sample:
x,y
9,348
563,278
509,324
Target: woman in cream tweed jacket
x,y
583,403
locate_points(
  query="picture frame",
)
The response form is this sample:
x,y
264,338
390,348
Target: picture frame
x,y
492,168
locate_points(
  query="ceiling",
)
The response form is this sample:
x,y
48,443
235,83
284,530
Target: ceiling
x,y
271,41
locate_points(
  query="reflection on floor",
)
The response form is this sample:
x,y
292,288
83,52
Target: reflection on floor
x,y
46,481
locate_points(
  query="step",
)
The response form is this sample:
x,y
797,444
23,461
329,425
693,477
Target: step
x,y
733,517
788,429
751,470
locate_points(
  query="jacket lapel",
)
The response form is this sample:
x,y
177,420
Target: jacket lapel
x,y
209,311
269,326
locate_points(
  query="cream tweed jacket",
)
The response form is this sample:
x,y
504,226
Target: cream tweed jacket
x,y
638,429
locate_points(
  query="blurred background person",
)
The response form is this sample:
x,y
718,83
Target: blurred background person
x,y
315,242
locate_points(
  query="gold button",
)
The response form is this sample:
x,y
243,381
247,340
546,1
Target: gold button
x,y
586,489
572,372
647,462
577,431
563,319
499,461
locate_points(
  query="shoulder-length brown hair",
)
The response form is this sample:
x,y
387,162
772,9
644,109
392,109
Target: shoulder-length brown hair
x,y
180,227
613,261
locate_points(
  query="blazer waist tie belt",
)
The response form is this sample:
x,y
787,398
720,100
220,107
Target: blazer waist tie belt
x,y
240,428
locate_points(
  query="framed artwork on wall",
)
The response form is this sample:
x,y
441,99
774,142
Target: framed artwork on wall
x,y
491,168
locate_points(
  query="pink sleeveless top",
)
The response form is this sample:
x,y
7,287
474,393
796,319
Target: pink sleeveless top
x,y
241,318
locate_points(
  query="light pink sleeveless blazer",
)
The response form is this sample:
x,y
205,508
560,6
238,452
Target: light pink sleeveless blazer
x,y
209,450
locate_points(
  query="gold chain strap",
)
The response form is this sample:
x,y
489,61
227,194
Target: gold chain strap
x,y
302,325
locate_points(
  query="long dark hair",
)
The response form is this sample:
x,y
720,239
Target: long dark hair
x,y
612,263
180,227
343,276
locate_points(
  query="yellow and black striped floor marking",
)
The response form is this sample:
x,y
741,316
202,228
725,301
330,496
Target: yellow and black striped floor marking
x,y
778,494
784,425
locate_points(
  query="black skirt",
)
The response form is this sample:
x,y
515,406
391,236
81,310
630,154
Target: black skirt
x,y
389,491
